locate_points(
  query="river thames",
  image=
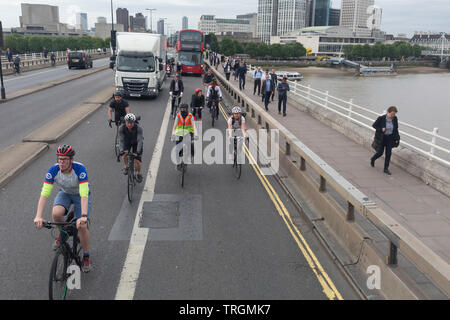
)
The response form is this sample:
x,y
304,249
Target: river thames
x,y
423,100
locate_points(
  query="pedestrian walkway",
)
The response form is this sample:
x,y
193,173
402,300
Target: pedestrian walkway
x,y
416,206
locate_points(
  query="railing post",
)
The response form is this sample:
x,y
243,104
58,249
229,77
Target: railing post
x,y
350,216
433,141
350,108
392,254
309,91
323,184
302,164
326,99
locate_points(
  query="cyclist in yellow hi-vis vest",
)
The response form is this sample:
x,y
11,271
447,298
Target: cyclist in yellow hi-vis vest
x,y
182,126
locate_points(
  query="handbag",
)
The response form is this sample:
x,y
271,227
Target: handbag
x,y
376,144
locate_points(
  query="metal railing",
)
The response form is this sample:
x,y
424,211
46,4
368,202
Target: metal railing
x,y
399,238
428,143
40,55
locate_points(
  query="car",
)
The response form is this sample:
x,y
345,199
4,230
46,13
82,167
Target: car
x,y
80,59
293,76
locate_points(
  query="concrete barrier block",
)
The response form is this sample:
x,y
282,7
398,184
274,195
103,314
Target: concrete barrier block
x,y
17,157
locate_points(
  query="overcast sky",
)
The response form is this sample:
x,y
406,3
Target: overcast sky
x,y
399,16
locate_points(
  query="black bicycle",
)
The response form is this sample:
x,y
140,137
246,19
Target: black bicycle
x,y
175,105
237,166
116,140
183,166
214,111
131,173
65,256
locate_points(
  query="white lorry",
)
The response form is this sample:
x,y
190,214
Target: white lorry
x,y
140,63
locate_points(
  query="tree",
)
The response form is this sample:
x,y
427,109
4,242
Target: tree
x,y
251,49
227,46
296,50
262,50
348,51
214,43
238,48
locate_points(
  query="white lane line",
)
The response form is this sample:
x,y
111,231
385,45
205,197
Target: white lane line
x,y
135,254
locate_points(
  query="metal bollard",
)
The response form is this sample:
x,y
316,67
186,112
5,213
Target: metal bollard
x,y
323,184
391,259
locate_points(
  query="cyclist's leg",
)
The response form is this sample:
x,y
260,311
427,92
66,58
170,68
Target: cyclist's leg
x,y
138,159
83,230
61,206
173,104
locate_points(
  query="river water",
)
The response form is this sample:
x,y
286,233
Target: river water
x,y
423,100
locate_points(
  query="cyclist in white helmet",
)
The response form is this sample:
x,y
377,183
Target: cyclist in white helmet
x,y
236,128
131,140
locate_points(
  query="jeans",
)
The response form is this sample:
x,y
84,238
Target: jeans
x,y
388,142
267,95
257,84
282,99
241,83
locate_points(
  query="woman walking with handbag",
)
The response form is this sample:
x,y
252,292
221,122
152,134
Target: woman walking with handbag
x,y
386,136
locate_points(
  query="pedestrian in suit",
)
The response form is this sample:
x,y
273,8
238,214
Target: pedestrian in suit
x,y
274,82
387,137
266,89
282,89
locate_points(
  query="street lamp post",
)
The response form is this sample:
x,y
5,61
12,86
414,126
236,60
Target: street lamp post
x,y
151,24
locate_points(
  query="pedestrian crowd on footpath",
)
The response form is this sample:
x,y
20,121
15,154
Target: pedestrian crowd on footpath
x,y
266,84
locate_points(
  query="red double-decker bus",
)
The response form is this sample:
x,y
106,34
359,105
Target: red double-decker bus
x,y
190,48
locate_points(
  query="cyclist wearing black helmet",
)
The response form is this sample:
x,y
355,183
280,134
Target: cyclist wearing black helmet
x,y
131,138
120,107
72,178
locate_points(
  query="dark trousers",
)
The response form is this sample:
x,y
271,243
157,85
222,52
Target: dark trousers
x,y
180,140
241,83
228,76
282,99
273,94
195,111
388,142
267,95
257,84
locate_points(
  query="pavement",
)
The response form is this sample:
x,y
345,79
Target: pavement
x,y
224,238
416,206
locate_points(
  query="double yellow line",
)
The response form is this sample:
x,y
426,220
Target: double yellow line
x,y
328,286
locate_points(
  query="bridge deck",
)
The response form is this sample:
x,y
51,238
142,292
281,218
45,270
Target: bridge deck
x,y
418,207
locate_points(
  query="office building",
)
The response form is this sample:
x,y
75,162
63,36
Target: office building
x,y
101,20
103,30
253,20
82,22
139,22
210,24
334,17
319,12
279,17
324,40
43,20
184,23
160,26
267,19
355,17
122,17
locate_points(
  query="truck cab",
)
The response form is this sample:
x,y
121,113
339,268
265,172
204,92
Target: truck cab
x,y
139,64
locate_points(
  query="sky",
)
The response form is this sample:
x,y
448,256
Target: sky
x,y
399,16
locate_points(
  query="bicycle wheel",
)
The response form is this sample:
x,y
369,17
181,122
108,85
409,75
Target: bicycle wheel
x,y
237,167
130,182
57,288
183,170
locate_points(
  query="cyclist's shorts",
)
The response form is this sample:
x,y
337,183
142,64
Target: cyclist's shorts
x,y
66,199
133,148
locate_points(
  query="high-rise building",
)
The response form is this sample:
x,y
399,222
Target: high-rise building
x,y
267,19
321,9
334,17
139,22
291,16
131,23
82,22
122,17
184,23
101,20
160,26
355,16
